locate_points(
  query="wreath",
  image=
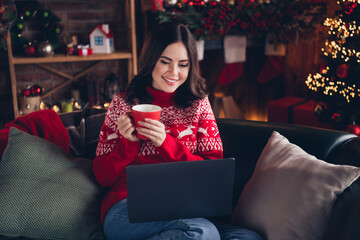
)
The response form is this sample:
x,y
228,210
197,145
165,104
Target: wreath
x,y
7,17
41,25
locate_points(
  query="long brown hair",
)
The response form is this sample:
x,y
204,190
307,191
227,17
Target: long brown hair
x,y
155,43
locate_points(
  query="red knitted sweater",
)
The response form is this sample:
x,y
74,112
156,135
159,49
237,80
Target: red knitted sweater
x,y
192,134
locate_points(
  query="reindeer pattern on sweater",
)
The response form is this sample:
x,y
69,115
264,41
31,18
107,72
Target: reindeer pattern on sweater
x,y
182,124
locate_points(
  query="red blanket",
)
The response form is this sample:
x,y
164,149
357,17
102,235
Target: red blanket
x,y
45,124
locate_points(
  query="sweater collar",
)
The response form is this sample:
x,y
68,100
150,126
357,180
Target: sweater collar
x,y
160,97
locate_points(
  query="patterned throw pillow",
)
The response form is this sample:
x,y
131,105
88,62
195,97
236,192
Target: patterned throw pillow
x,y
45,193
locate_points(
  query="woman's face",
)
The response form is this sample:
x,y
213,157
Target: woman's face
x,y
171,69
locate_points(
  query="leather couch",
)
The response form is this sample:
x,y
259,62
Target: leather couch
x,y
244,140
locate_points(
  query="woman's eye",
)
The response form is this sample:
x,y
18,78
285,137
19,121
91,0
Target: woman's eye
x,y
184,65
164,62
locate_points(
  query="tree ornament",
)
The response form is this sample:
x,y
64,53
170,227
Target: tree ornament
x,y
353,128
349,7
319,109
25,92
30,50
31,91
157,5
45,49
336,117
35,90
342,71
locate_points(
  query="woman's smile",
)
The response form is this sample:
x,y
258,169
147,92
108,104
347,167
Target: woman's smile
x,y
172,68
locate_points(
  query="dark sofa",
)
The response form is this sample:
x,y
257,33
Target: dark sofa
x,y
245,140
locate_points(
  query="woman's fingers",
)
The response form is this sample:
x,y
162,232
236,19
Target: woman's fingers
x,y
154,130
126,128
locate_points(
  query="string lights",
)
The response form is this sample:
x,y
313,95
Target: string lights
x,y
339,77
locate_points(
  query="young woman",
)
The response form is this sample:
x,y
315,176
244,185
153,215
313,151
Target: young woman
x,y
187,131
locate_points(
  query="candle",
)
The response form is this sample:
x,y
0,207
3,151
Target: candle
x,y
67,106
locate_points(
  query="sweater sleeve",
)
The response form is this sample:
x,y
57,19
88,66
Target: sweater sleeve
x,y
209,145
113,152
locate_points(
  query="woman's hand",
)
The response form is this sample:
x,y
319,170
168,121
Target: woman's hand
x,y
154,130
126,128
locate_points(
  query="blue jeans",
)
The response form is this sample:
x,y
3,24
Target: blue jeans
x,y
118,227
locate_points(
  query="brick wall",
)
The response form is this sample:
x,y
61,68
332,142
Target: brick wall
x,y
79,17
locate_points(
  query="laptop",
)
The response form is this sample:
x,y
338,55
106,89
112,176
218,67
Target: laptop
x,y
167,191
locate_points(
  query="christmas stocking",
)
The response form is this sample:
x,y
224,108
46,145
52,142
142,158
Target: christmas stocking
x,y
274,64
235,55
200,49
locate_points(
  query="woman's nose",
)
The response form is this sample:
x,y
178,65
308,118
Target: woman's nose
x,y
173,68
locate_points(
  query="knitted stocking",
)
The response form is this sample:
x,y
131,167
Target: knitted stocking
x,y
230,72
274,67
274,64
235,55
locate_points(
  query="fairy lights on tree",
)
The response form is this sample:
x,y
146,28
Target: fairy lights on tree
x,y
338,82
342,54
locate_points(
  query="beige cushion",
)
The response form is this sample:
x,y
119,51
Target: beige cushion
x,y
290,193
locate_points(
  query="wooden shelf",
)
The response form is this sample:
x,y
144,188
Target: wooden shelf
x,y
129,55
63,58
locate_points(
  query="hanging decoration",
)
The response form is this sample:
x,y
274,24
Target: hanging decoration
x,y
235,56
274,63
34,25
8,15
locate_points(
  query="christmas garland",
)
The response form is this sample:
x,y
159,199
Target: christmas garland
x,y
283,20
7,16
43,22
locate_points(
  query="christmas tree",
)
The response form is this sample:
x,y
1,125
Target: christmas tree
x,y
338,82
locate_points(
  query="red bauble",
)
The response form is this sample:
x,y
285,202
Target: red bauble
x,y
342,71
30,50
31,91
353,128
25,92
35,90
